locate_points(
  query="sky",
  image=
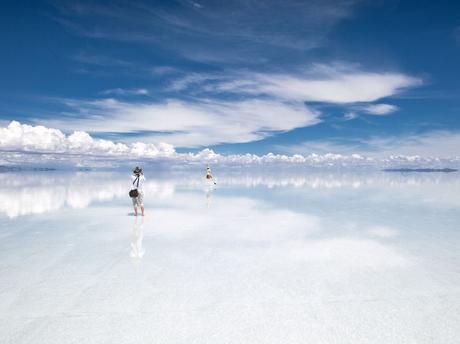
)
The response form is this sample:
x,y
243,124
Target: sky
x,y
376,78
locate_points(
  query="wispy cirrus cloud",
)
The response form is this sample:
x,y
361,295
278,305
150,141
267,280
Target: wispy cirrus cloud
x,y
338,83
163,70
234,107
370,109
100,60
380,109
211,32
350,115
236,102
125,91
188,124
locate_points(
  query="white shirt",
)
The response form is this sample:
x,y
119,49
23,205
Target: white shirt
x,y
139,188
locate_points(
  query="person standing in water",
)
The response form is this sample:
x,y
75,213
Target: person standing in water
x,y
137,184
209,174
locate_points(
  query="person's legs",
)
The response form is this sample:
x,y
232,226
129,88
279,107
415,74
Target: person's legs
x,y
135,205
141,202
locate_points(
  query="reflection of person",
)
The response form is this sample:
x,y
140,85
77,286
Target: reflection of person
x,y
208,195
137,251
137,183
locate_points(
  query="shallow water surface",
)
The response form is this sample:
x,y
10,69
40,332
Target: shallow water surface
x,y
276,258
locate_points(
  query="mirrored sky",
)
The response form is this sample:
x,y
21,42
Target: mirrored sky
x,y
253,259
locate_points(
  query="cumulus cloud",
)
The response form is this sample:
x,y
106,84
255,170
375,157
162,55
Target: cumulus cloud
x,y
39,139
430,149
26,138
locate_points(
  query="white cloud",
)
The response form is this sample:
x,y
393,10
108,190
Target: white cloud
x,y
380,109
414,147
26,138
17,140
124,91
441,144
256,105
383,231
185,82
370,109
194,123
338,83
350,115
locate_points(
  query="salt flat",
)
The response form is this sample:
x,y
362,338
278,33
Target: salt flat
x,y
275,258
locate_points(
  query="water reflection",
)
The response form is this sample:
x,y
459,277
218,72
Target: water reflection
x,y
137,236
208,191
313,260
45,192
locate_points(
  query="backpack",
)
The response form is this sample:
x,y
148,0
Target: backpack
x,y
133,193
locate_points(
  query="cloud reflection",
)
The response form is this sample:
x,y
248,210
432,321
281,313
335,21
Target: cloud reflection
x,y
340,255
254,228
24,193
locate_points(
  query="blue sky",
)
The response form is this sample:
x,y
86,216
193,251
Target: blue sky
x,y
373,77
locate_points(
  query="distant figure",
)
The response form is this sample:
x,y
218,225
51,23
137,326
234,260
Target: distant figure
x,y
137,189
209,175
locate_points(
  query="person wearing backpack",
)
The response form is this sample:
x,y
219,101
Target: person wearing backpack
x,y
137,190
